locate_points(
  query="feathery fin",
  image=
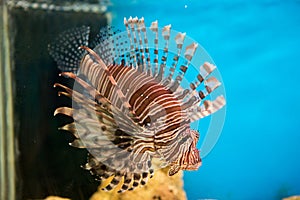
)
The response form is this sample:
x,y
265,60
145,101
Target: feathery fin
x,y
64,49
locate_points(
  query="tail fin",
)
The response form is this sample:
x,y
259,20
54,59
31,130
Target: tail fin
x,y
64,49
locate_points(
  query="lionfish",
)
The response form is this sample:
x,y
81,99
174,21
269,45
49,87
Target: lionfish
x,y
129,105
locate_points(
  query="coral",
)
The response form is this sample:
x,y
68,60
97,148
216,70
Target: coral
x,y
292,198
160,187
56,198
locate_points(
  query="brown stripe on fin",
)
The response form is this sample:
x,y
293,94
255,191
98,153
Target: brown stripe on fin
x,y
113,183
144,178
205,70
126,183
193,97
210,85
136,180
151,171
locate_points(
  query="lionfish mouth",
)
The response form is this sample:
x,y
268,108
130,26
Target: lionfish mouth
x,y
193,165
131,79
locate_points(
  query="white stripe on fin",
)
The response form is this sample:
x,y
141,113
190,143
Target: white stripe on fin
x,y
207,108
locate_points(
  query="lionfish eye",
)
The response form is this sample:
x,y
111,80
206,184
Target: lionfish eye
x,y
147,122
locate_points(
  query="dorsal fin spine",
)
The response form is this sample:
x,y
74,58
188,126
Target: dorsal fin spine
x,y
147,53
205,70
188,54
138,44
140,26
166,36
132,23
154,28
127,23
179,39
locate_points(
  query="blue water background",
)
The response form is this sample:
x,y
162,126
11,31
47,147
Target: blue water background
x,y
256,46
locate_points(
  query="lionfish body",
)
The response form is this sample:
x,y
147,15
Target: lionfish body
x,y
128,107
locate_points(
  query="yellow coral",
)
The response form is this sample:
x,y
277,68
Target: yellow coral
x,y
56,198
292,198
160,187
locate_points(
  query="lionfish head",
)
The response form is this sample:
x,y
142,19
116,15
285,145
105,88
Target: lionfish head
x,y
190,159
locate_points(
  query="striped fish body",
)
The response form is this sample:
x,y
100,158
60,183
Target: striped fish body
x,y
131,109
148,98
